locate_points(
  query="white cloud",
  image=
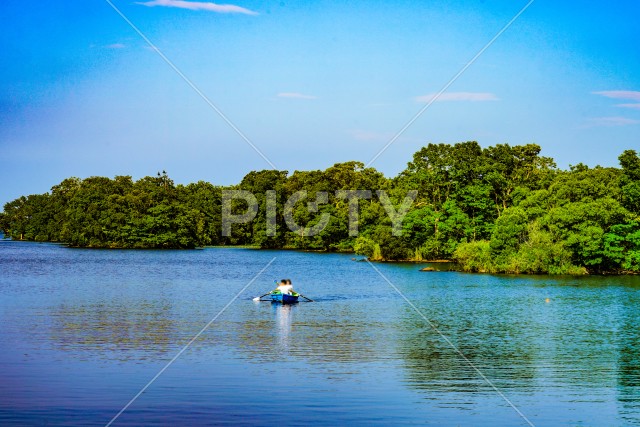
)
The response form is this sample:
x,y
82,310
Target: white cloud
x,y
295,95
612,121
620,94
637,106
115,46
193,5
459,96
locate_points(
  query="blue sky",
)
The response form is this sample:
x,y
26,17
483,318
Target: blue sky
x,y
310,84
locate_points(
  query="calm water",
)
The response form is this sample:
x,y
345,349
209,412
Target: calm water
x,y
82,331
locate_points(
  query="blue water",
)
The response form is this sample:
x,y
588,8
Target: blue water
x,y
83,331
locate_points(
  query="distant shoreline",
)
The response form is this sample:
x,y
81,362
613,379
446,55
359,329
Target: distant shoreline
x,y
496,209
356,258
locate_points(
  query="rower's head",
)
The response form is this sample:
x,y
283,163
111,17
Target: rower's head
x,y
288,281
283,281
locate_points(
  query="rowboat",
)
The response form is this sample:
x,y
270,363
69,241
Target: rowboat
x,y
277,296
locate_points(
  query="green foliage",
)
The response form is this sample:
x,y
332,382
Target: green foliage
x,y
495,209
509,231
539,253
630,180
391,247
106,213
367,247
622,246
474,256
528,249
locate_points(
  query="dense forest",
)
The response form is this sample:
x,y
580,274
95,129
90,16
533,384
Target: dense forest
x,y
498,209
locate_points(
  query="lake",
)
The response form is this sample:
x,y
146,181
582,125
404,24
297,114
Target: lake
x,y
83,331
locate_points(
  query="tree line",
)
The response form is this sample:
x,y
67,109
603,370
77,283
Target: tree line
x,y
496,209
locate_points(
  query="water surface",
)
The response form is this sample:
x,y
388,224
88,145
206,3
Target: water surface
x,y
84,330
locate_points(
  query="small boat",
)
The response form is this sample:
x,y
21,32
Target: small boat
x,y
277,296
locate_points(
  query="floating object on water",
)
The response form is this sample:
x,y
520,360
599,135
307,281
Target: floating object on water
x,y
547,300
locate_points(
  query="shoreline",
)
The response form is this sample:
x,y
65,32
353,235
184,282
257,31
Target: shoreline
x,y
320,251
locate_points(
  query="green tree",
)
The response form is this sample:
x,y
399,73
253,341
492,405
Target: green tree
x,y
622,246
630,180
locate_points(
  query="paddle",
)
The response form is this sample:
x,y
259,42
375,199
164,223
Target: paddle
x,y
260,297
268,293
308,299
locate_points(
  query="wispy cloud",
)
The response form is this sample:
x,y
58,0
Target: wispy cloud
x,y
459,96
295,95
629,95
115,46
611,121
620,94
636,106
194,5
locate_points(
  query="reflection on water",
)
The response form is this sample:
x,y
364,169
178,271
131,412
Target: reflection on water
x,y
83,331
276,333
628,362
117,331
284,320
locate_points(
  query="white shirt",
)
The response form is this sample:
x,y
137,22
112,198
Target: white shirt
x,y
285,289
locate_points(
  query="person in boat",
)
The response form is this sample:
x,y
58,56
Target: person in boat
x,y
289,284
285,286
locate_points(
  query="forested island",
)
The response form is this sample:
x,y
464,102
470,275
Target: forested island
x,y
498,209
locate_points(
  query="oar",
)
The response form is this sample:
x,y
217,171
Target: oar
x,y
268,293
308,299
260,297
